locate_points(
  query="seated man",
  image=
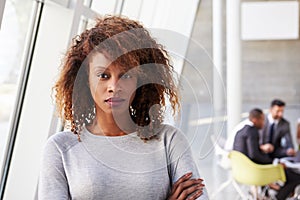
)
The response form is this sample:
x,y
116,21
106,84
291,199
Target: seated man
x,y
276,132
247,142
247,139
230,139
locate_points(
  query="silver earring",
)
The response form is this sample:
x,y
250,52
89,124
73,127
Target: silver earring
x,y
132,111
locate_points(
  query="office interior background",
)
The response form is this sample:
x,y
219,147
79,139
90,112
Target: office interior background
x,y
230,56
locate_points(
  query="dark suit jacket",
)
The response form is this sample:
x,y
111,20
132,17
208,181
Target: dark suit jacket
x,y
246,141
282,130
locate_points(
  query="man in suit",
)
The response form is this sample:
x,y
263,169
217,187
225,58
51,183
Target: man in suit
x,y
246,141
276,135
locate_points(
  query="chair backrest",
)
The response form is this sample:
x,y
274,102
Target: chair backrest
x,y
247,172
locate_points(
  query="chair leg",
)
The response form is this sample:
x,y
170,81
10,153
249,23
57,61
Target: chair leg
x,y
238,189
253,191
222,187
264,191
256,193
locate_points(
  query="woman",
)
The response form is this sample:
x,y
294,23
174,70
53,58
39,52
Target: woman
x,y
112,92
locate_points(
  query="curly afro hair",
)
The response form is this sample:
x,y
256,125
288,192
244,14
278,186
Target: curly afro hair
x,y
128,44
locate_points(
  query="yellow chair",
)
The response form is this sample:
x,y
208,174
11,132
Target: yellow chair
x,y
246,172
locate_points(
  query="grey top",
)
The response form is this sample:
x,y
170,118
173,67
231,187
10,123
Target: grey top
x,y
122,167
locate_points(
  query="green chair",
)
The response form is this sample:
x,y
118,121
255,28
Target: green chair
x,y
245,171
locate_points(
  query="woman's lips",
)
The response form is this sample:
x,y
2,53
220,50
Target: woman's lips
x,y
114,101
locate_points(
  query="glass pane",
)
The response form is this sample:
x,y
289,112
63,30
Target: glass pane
x,y
105,7
12,39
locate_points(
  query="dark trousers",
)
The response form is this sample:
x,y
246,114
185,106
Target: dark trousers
x,y
292,180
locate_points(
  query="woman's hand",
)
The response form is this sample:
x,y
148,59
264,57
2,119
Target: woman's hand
x,y
186,188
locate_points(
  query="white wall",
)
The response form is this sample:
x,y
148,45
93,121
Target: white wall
x,y
270,20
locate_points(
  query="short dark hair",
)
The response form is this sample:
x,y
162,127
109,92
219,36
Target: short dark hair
x,y
277,102
255,113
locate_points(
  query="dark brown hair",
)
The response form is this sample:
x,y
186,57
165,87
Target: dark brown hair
x,y
277,102
128,44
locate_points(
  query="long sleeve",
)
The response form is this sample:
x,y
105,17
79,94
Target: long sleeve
x,y
254,152
247,142
122,167
52,181
181,160
284,141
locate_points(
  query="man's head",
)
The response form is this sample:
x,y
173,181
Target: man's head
x,y
277,109
256,116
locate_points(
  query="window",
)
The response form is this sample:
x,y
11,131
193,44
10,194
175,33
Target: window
x,y
13,31
54,23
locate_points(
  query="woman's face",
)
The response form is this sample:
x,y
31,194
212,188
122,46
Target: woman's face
x,y
111,87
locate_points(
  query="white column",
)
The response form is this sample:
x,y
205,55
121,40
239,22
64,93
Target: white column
x,y
234,92
218,93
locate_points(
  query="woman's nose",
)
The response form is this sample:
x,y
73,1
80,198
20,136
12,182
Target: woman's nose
x,y
113,85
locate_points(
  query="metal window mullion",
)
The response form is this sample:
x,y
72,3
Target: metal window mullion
x,y
119,7
23,82
2,5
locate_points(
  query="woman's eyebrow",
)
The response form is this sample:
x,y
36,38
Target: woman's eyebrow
x,y
102,68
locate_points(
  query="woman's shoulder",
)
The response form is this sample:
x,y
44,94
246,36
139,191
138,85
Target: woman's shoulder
x,y
169,128
62,141
171,133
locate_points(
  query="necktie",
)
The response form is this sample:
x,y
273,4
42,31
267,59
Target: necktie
x,y
271,132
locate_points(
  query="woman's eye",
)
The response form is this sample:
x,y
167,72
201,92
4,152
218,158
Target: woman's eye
x,y
103,76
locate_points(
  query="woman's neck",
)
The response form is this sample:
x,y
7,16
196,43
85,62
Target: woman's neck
x,y
110,125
